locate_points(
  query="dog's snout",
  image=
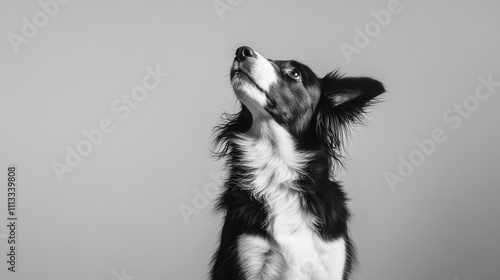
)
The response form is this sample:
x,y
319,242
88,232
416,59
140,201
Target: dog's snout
x,y
243,52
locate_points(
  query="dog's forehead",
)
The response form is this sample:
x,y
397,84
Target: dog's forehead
x,y
286,63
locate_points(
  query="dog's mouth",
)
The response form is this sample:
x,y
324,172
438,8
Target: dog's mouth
x,y
240,75
252,78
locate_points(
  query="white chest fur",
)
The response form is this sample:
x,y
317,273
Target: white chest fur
x,y
296,251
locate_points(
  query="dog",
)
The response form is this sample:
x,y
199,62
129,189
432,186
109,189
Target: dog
x,y
285,217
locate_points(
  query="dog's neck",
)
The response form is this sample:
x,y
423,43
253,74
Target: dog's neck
x,y
270,154
275,166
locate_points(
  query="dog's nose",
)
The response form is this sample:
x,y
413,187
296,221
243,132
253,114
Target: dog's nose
x,y
243,52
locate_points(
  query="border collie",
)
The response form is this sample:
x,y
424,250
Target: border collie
x,y
285,217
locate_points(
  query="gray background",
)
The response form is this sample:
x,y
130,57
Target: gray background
x,y
117,214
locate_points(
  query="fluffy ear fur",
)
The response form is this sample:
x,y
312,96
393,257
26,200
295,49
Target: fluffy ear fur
x,y
343,102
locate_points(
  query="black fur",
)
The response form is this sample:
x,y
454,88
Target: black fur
x,y
317,113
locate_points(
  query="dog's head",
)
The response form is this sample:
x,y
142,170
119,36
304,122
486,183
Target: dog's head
x,y
312,108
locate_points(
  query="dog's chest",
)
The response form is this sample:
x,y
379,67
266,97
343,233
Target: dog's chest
x,y
296,251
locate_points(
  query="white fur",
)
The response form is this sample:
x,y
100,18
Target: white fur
x,y
259,259
270,150
248,94
262,73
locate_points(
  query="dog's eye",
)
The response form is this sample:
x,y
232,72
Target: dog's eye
x,y
294,74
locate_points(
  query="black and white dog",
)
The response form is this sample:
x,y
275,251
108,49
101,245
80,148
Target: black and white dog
x,y
285,218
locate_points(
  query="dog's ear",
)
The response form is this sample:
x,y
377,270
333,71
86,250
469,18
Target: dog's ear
x,y
343,102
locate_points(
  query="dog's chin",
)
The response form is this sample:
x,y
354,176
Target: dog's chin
x,y
248,93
